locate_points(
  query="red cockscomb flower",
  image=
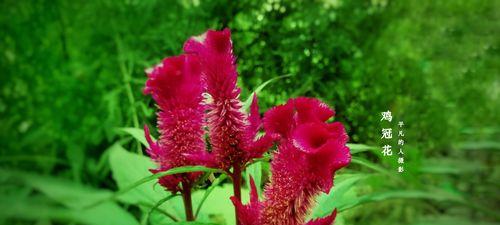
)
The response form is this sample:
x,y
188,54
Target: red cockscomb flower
x,y
175,84
309,153
232,132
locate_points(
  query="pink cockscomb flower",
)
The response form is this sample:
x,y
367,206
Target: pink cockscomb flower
x,y
175,85
309,152
195,91
232,132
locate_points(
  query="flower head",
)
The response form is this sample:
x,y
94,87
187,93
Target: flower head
x,y
232,132
175,84
309,153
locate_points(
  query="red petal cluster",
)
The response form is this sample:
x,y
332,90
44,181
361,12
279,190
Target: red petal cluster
x,y
309,152
199,88
232,132
175,84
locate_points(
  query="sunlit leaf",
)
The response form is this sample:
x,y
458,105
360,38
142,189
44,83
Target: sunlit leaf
x,y
436,195
248,102
105,214
255,171
137,134
341,193
209,190
131,172
368,164
357,148
450,166
74,197
155,207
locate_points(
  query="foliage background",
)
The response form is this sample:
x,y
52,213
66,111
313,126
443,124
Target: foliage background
x,y
72,74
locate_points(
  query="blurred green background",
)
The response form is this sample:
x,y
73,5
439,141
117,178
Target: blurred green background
x,y
71,103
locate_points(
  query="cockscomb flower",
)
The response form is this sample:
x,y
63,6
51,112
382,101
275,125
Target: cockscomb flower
x,y
232,132
309,152
195,91
175,85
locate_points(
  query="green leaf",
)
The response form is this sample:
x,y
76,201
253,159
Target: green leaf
x,y
254,170
366,163
126,168
221,209
72,196
221,178
137,134
155,207
28,210
184,169
136,183
451,166
436,195
479,145
248,102
357,148
342,193
265,158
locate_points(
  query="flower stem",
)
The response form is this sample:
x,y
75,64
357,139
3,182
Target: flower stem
x,y
236,176
186,197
